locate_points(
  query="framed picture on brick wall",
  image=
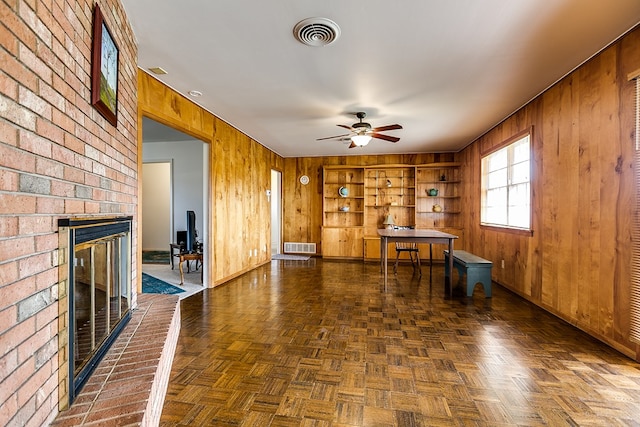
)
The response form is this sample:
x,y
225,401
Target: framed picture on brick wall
x,y
104,69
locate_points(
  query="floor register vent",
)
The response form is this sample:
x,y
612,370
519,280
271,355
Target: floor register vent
x,y
299,248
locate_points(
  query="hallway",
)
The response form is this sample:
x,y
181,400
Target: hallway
x,y
321,343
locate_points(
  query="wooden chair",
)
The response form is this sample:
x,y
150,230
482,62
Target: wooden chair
x,y
412,250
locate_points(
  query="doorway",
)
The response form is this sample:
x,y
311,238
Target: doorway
x,y
187,190
157,212
276,212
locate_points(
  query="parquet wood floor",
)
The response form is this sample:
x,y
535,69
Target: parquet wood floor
x,y
322,343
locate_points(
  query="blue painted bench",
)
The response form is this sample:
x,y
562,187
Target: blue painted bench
x,y
478,270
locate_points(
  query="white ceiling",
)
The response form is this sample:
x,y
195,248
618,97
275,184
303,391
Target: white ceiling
x,y
446,70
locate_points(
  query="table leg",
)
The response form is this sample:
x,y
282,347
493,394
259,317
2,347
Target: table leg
x,y
181,271
450,278
385,247
381,254
430,260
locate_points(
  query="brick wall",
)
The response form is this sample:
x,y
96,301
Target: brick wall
x,y
58,158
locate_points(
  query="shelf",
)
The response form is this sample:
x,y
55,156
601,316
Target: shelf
x,y
406,187
343,198
386,194
370,200
439,213
390,206
440,165
457,181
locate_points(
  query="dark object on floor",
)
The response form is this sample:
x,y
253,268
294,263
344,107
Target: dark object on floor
x,y
151,285
155,257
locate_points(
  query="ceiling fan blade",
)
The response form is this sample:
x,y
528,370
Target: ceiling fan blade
x,y
346,127
333,137
388,127
352,145
385,137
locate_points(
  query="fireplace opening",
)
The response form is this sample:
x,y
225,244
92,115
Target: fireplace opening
x,y
99,291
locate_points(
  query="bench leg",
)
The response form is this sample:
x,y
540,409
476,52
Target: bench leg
x,y
479,276
461,272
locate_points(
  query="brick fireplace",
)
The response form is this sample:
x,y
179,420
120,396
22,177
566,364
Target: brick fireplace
x,y
115,347
95,297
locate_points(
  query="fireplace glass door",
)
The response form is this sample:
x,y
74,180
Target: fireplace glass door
x,y
100,295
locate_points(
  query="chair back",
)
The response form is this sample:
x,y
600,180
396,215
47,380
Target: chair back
x,y
406,246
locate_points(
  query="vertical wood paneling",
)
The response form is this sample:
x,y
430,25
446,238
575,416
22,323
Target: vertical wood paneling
x,y
302,204
577,262
588,204
240,173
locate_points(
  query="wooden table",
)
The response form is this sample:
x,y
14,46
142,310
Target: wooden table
x,y
190,257
415,236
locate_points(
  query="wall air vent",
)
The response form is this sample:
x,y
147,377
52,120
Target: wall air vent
x,y
299,248
316,31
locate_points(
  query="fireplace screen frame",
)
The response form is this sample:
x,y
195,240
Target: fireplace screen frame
x,y
107,289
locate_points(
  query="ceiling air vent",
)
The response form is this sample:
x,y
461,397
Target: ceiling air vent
x,y
316,31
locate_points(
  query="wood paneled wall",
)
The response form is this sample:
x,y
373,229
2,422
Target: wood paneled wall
x,y
240,174
303,203
577,263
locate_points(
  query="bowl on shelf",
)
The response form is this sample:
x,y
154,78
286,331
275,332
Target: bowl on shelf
x,y
343,191
344,208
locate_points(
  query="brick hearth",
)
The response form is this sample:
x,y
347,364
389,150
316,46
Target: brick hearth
x,y
129,385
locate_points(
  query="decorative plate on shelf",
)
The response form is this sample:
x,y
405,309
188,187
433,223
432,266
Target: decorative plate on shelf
x,y
343,191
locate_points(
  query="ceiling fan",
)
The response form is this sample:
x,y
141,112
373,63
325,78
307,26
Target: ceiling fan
x,y
362,132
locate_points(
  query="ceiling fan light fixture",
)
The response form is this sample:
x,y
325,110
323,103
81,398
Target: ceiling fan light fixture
x,y
361,140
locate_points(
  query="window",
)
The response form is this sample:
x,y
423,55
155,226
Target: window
x,y
506,189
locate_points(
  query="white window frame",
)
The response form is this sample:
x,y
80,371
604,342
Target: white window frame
x,y
499,205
